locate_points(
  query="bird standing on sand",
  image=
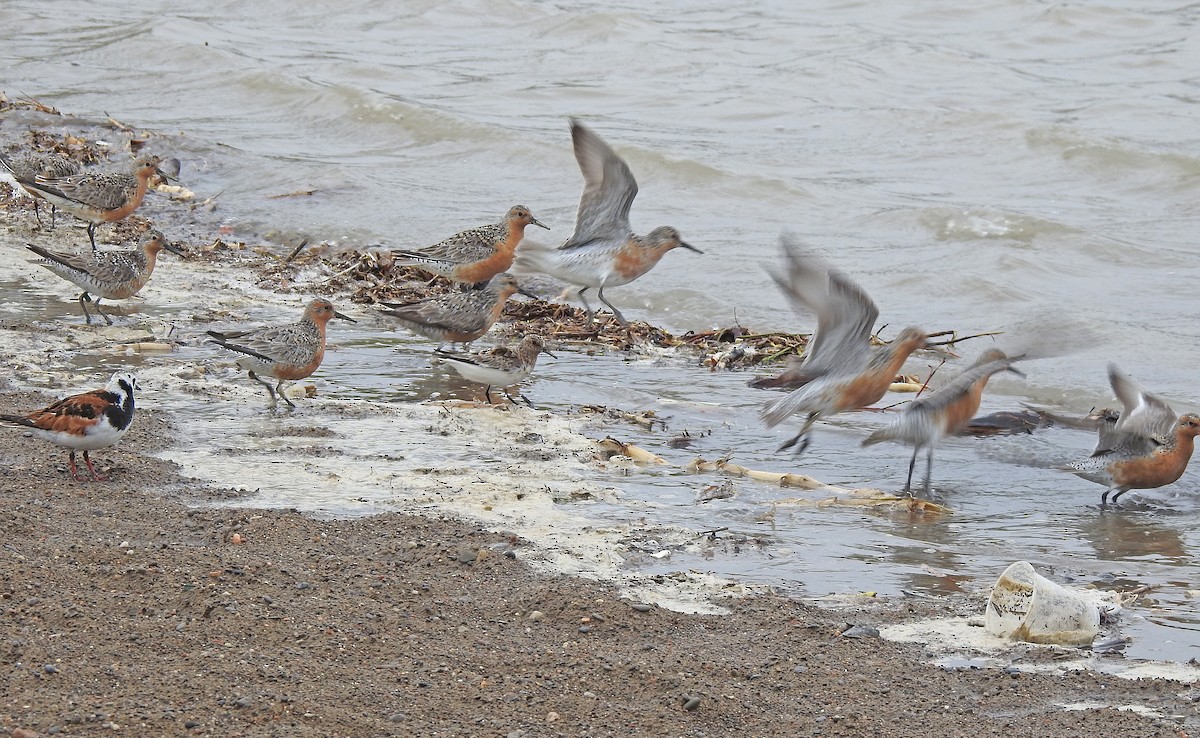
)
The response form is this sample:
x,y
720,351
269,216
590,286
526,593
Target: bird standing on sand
x,y
286,352
1147,447
97,197
85,422
31,165
500,366
113,275
603,251
476,255
457,317
840,371
927,420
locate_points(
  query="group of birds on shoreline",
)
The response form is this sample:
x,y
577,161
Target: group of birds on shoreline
x,y
1145,445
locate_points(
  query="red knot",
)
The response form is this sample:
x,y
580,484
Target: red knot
x,y
839,371
1145,447
603,251
946,412
476,255
98,197
26,168
457,317
285,352
112,275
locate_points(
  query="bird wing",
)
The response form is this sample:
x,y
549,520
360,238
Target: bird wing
x,y
104,266
845,314
70,414
1146,419
608,191
469,245
931,415
106,190
458,312
285,344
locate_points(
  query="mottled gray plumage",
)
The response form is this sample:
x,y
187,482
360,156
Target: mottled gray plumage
x,y
99,197
457,317
286,352
500,366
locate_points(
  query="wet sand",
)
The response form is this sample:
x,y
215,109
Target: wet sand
x,y
156,604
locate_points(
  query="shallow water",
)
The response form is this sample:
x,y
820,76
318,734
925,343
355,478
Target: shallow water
x,y
1018,166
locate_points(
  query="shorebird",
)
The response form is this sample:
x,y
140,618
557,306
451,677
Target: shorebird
x,y
1147,446
31,165
99,197
501,366
946,412
457,317
475,255
603,251
286,352
114,275
839,371
85,422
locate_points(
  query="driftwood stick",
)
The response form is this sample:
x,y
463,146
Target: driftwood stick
x,y
296,251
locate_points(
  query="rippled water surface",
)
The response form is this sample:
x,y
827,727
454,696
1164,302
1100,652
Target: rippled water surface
x,y
1019,166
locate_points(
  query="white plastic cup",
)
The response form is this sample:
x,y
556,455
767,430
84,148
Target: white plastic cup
x,y
1029,607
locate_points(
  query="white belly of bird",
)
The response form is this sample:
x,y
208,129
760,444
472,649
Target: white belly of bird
x,y
487,374
101,435
255,364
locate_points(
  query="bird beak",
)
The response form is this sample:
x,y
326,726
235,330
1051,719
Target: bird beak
x,y
690,247
537,222
1016,371
546,351
527,293
343,316
173,248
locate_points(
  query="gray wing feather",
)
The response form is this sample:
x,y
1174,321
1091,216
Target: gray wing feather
x,y
845,314
608,192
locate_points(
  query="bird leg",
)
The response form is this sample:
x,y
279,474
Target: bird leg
x,y
88,461
74,469
270,389
92,235
800,438
102,314
37,213
590,313
928,471
487,392
616,313
279,389
84,299
912,463
1104,497
513,399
